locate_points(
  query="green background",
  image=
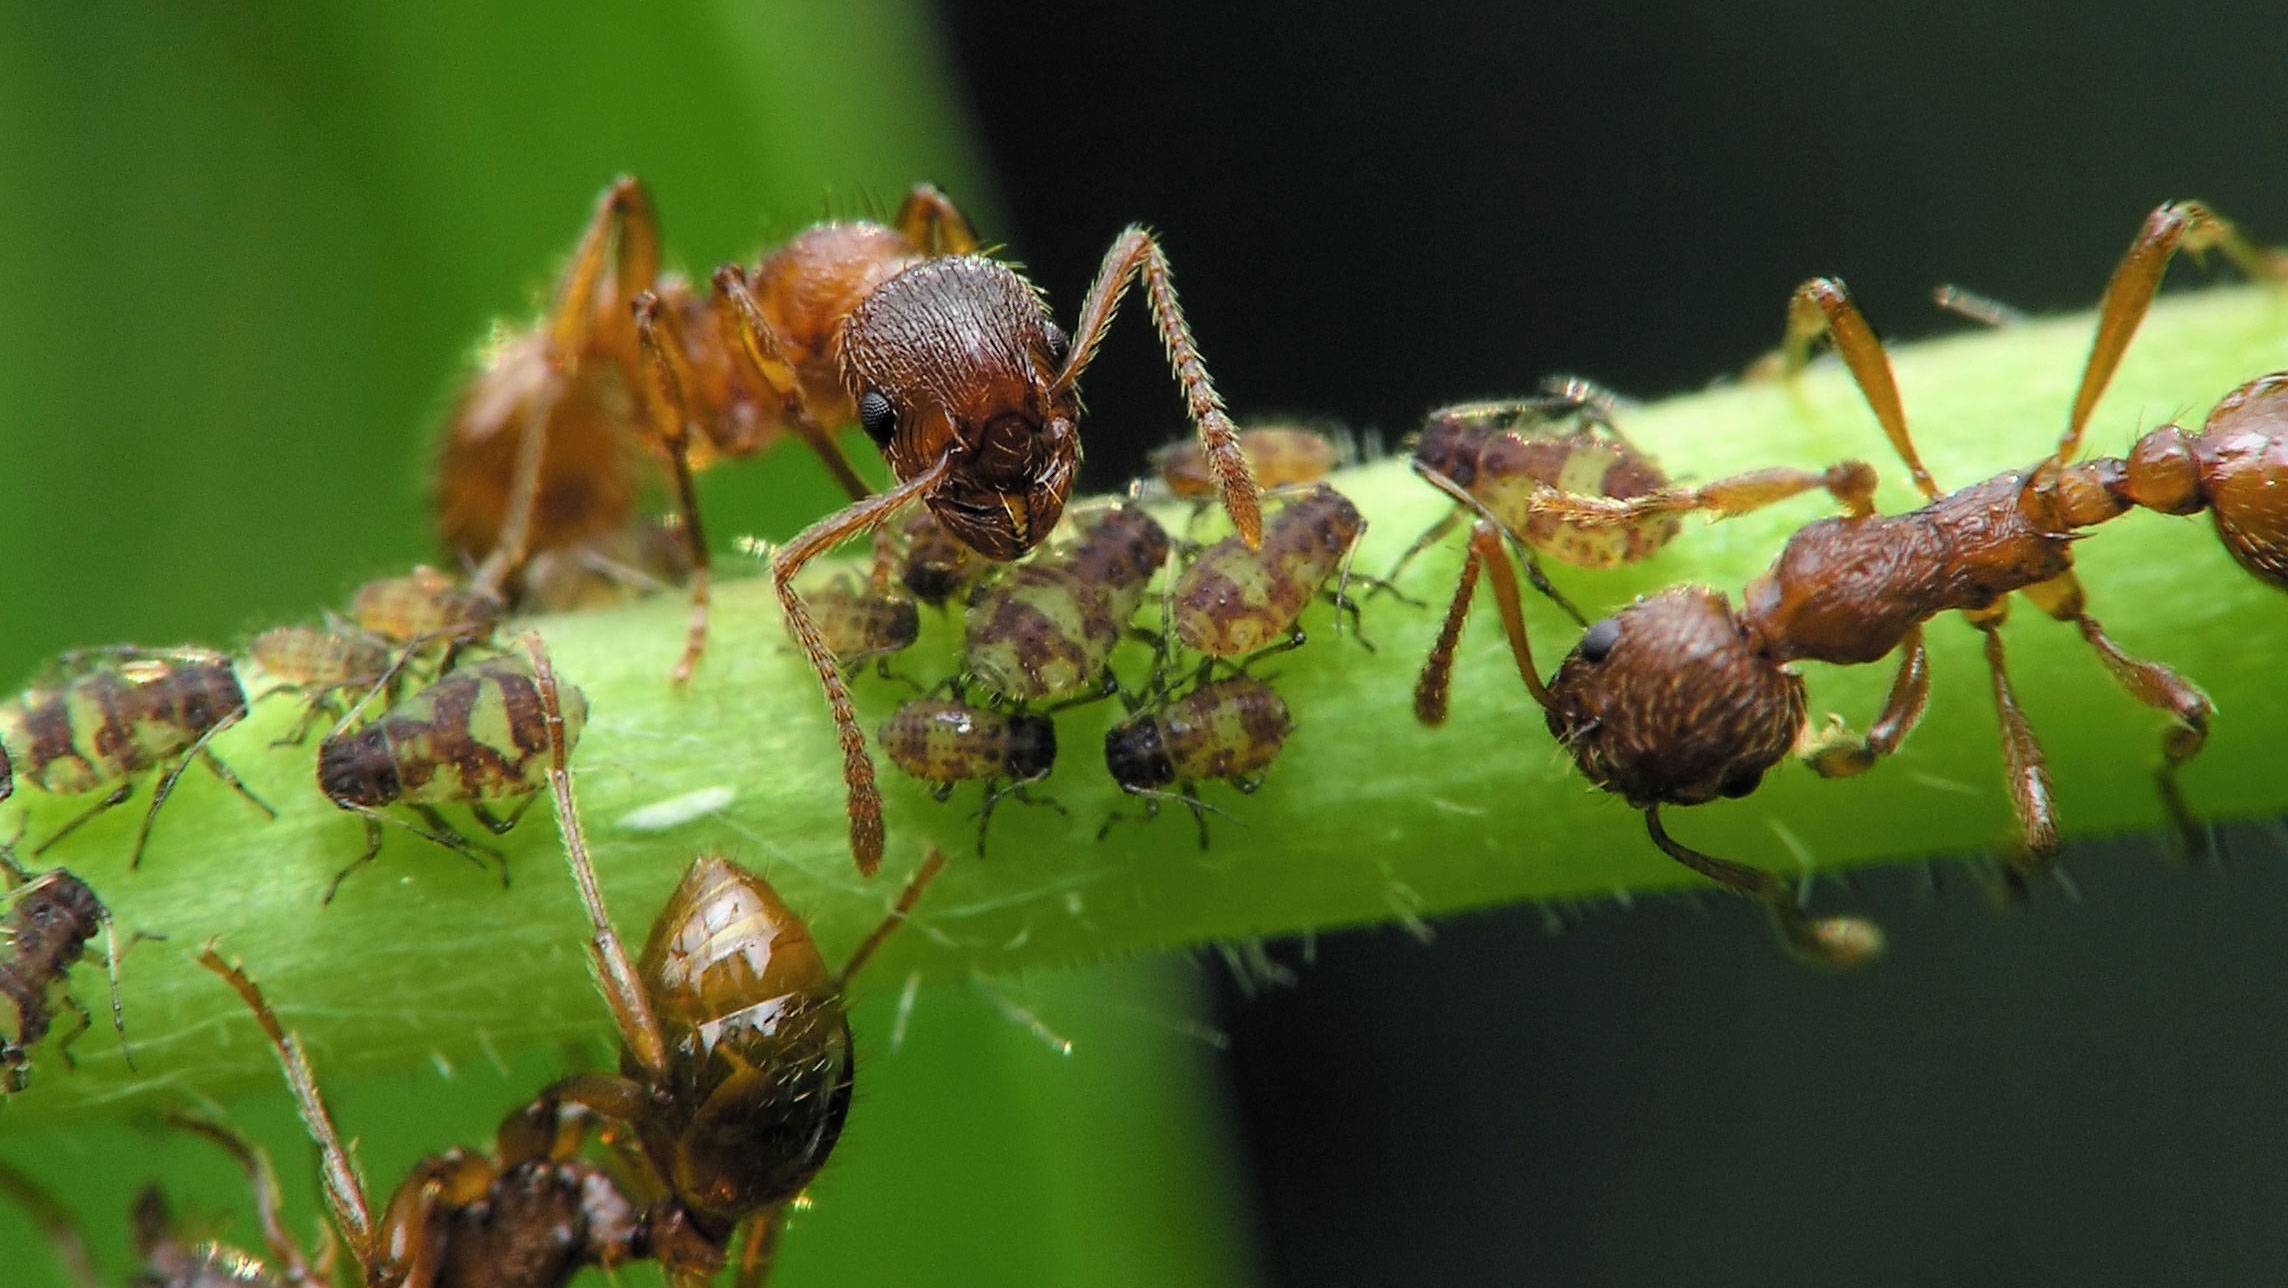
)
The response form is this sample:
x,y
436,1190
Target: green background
x,y
247,253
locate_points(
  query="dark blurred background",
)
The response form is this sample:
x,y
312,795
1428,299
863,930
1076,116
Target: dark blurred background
x,y
247,247
1376,209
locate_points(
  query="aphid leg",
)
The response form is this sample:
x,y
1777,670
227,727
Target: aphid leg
x,y
345,1190
166,786
864,798
616,975
1823,306
1431,536
1525,554
1838,942
740,321
667,377
932,224
1840,755
65,1041
444,837
496,824
65,1238
932,864
2177,225
111,953
2151,683
1851,483
117,797
262,1181
759,1250
1432,687
2027,771
445,834
1135,252
624,230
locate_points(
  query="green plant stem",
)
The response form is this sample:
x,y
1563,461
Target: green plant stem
x,y
1367,817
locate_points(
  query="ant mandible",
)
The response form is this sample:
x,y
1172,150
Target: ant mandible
x,y
1678,699
972,394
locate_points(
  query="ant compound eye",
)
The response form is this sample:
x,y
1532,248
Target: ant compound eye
x,y
1599,640
1739,783
879,418
1059,342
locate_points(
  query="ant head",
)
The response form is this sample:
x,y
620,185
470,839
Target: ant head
x,y
959,355
2243,455
1133,753
1032,747
758,1049
1669,701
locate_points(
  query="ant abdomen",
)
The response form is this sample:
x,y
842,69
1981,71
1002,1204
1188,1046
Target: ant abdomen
x,y
2243,455
1635,728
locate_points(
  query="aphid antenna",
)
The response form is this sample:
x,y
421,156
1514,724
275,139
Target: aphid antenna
x,y
932,864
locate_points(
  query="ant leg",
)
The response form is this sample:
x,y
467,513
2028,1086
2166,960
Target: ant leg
x,y
2178,225
1486,544
118,797
668,377
1843,756
907,898
1851,483
1136,252
2027,770
262,1180
865,799
1834,942
1823,306
65,1239
1525,553
759,1250
1431,688
345,1190
2151,683
930,223
616,976
741,322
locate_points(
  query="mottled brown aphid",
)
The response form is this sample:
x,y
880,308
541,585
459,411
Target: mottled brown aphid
x,y
116,714
645,557
736,1057
321,663
1229,729
945,743
531,1214
1679,698
859,624
1278,455
918,553
1046,631
476,736
956,372
1233,601
49,922
426,606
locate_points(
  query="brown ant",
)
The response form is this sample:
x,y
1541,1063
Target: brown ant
x,y
1678,699
946,742
736,1064
531,1214
50,920
477,735
106,716
956,372
1046,631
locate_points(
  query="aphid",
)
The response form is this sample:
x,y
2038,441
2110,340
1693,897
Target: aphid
x,y
643,558
531,1214
918,553
1233,601
972,394
321,663
1230,729
859,624
424,607
947,742
50,920
473,737
1278,455
1679,698
736,1060
1046,630
114,714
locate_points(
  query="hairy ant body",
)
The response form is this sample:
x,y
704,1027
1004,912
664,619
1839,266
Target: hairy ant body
x,y
110,715
1046,630
531,1214
475,736
736,1062
946,742
1233,600
1679,699
972,395
1229,729
50,921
